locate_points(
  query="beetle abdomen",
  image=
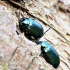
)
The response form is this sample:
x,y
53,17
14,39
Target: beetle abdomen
x,y
35,29
51,58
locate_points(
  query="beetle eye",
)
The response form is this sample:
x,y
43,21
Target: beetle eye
x,y
22,26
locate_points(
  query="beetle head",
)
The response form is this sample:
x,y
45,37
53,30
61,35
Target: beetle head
x,y
23,24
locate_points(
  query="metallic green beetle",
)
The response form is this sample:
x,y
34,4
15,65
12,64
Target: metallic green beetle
x,y
50,54
31,28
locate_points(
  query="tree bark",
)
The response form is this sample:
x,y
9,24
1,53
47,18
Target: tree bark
x,y
19,53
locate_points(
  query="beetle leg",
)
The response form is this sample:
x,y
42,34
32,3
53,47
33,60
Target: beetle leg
x,y
28,36
41,54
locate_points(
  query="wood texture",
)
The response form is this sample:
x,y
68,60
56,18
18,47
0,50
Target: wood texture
x,y
19,53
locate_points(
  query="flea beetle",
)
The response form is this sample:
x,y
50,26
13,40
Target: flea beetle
x,y
50,54
31,28
34,31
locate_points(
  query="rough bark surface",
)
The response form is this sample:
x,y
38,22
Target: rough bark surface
x,y
19,53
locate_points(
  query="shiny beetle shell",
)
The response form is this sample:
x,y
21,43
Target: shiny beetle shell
x,y
31,28
50,54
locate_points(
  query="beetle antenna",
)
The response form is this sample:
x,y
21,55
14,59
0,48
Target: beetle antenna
x,y
18,15
19,10
47,30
